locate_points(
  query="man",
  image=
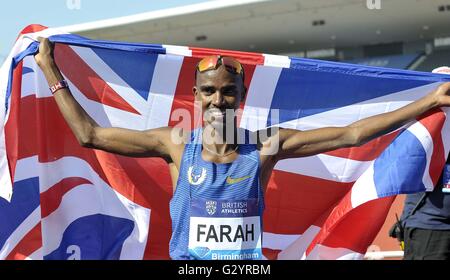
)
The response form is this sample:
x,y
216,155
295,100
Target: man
x,y
427,228
218,202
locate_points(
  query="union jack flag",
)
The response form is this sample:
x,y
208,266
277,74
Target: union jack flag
x,y
59,200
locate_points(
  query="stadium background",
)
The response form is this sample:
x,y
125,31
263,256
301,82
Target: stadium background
x,y
403,34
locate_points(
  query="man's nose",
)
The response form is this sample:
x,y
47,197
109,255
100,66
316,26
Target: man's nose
x,y
217,99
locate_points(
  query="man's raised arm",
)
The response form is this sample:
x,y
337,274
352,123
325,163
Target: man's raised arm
x,y
127,142
294,143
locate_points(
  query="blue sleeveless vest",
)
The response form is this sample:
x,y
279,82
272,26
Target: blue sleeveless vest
x,y
217,208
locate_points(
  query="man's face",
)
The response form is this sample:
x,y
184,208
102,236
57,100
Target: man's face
x,y
218,91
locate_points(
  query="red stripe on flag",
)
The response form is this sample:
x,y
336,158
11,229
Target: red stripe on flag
x,y
51,199
31,29
360,226
344,226
299,199
249,70
12,134
30,243
184,97
270,254
243,57
157,247
21,127
87,80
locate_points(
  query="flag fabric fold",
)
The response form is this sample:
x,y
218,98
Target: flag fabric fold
x,y
59,200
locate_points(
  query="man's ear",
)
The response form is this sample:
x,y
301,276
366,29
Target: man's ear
x,y
194,91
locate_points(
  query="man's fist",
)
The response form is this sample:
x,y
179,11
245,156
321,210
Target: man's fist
x,y
45,53
442,94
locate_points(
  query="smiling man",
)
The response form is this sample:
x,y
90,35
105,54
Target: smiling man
x,y
219,173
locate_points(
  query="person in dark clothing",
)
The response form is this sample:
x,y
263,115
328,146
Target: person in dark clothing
x,y
427,229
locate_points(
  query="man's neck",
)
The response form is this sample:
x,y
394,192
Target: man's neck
x,y
218,141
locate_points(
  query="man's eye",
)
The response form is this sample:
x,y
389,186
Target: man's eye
x,y
209,90
229,91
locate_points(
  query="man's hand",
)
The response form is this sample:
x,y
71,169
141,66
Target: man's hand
x,y
442,95
45,55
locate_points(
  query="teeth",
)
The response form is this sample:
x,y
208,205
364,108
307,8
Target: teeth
x,y
216,112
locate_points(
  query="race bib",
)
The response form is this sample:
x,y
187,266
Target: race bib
x,y
225,230
446,179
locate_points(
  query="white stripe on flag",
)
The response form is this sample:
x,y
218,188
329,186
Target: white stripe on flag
x,y
277,60
162,90
178,50
297,250
5,179
424,137
321,252
26,168
259,97
66,167
364,188
325,167
30,84
277,241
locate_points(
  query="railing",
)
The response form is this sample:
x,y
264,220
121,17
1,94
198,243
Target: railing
x,y
380,255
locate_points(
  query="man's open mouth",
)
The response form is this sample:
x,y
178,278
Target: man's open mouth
x,y
215,114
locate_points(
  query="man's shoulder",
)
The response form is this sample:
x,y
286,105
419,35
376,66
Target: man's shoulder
x,y
179,135
170,136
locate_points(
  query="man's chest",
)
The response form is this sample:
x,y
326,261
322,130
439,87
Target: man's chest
x,y
266,167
